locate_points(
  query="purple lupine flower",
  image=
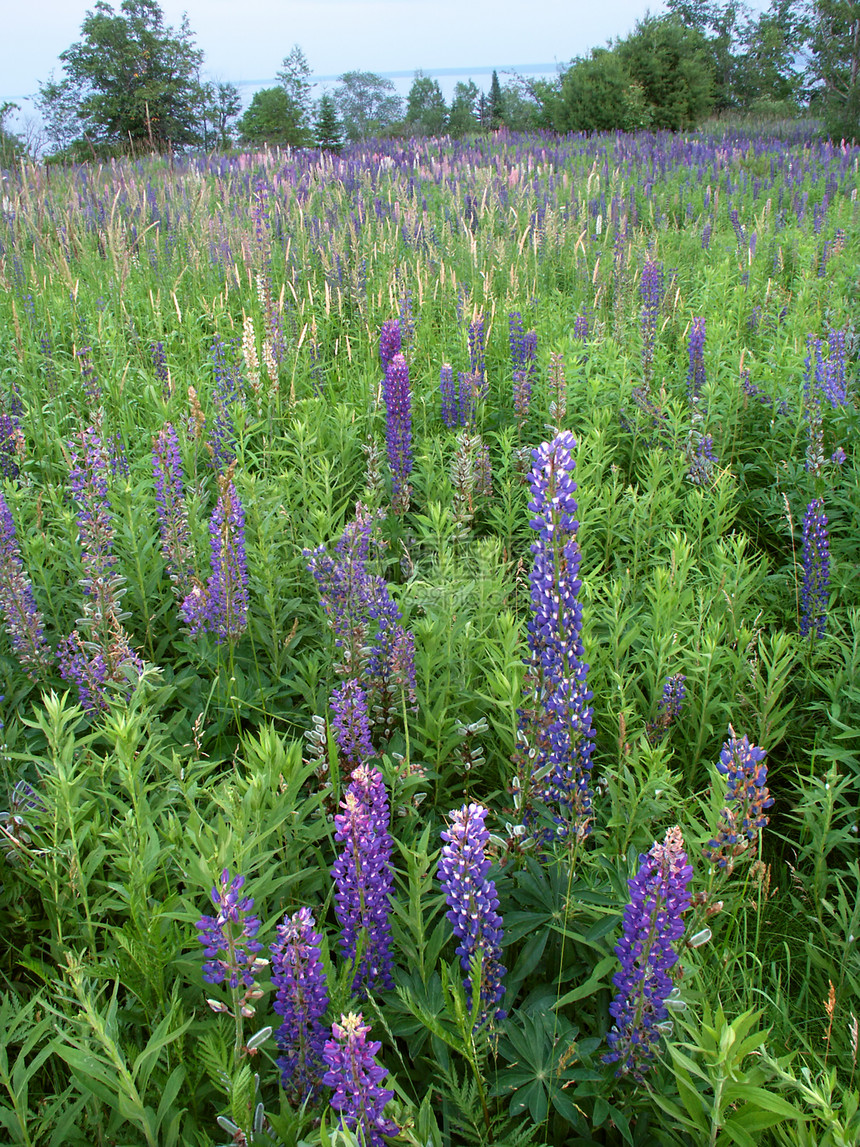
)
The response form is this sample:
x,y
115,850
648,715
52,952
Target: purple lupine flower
x,y
522,393
696,371
351,724
473,905
12,444
24,622
557,390
651,290
226,393
172,510
469,389
389,342
103,653
477,354
159,365
398,410
659,895
365,620
838,456
450,398
228,938
555,726
668,708
816,570
833,383
364,879
89,487
355,1076
580,327
703,461
92,386
302,1000
260,212
407,318
747,797
813,382
221,607
517,339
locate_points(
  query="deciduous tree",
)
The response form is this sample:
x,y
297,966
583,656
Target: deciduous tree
x,y
130,78
426,111
367,104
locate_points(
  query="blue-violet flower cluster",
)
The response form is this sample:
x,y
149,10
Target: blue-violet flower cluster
x,y
302,1000
364,879
555,727
653,924
355,1076
473,905
747,797
816,570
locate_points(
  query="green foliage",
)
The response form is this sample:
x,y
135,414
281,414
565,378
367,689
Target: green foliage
x,y
597,95
426,110
270,118
328,130
105,1030
130,78
835,65
366,105
463,116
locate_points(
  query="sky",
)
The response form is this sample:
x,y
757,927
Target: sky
x,y
245,41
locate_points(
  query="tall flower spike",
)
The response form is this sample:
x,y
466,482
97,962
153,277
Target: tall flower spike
x,y
653,924
473,905
222,605
98,650
747,797
172,511
366,621
555,724
302,1000
228,938
696,371
351,725
816,570
364,879
24,622
389,342
398,409
354,1076
651,290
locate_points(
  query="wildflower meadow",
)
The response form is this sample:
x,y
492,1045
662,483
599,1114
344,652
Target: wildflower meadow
x,y
430,596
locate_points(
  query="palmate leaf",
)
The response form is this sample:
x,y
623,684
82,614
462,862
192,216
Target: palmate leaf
x,y
533,1043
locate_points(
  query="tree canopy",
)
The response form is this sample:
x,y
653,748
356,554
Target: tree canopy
x,y
368,104
426,110
130,78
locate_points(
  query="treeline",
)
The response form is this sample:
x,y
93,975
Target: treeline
x,y
133,83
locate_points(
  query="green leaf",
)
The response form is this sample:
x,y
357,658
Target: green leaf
x,y
593,984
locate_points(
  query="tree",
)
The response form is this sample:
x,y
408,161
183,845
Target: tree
x,y
329,135
597,95
130,78
671,64
269,118
768,72
294,77
223,105
426,110
463,118
496,108
834,64
366,104
11,147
